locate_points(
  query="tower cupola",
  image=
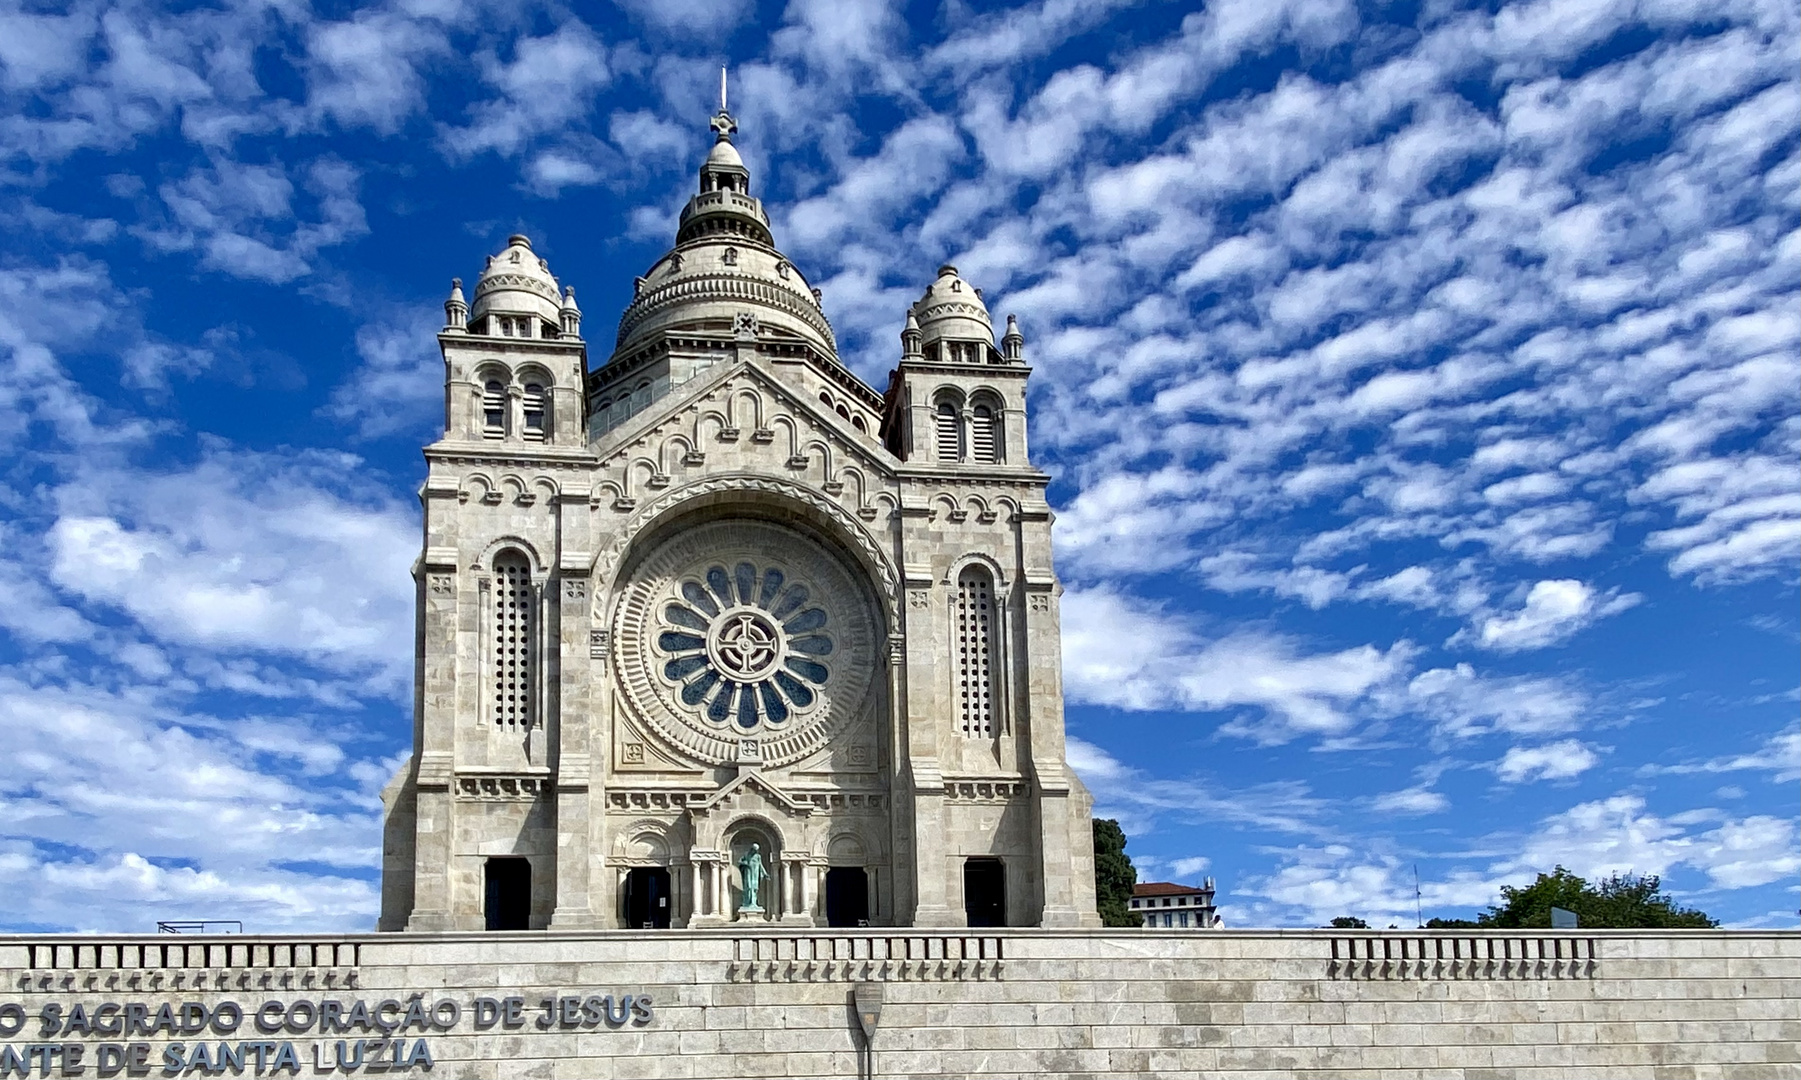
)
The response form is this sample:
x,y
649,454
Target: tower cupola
x,y
518,288
953,321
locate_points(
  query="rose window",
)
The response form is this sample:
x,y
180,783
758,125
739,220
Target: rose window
x,y
745,646
742,640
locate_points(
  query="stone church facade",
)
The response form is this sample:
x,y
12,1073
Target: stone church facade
x,y
719,593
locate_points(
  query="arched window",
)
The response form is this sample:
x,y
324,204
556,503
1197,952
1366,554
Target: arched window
x,y
510,641
494,410
844,412
533,407
973,661
984,435
825,399
857,421
950,432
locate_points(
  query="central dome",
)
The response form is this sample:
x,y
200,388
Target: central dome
x,y
724,265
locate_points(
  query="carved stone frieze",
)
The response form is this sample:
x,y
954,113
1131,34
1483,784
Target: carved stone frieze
x,y
503,788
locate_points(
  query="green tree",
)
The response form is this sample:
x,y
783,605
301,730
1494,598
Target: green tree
x,y
1349,922
1621,901
1114,875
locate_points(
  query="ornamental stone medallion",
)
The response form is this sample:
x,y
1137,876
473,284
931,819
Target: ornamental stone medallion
x,y
744,630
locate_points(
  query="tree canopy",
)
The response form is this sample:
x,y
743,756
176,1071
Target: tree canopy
x,y
1114,875
1620,901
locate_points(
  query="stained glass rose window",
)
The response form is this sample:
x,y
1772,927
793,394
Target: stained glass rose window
x,y
735,637
746,645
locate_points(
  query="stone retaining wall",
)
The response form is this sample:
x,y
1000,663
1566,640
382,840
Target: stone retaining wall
x,y
1020,1003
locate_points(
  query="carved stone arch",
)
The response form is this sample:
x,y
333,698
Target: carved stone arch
x,y
485,561
754,819
786,423
513,485
1009,504
666,460
846,847
532,369
638,475
825,456
546,488
856,484
491,368
885,498
952,394
976,505
712,420
1003,586
644,842
613,486
989,396
840,525
946,503
478,486
745,406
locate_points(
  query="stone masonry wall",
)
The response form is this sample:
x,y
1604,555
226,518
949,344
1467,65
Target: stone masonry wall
x,y
997,1003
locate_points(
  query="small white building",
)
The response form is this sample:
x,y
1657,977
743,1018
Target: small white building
x,y
1166,905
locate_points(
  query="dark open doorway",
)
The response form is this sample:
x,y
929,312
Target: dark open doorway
x,y
508,901
985,892
846,896
647,901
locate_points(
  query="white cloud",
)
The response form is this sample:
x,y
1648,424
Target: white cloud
x,y
242,221
1413,800
367,70
1780,756
398,389
209,827
1554,611
1117,655
1138,800
1465,704
280,555
1121,652
703,19
549,85
1552,761
1618,835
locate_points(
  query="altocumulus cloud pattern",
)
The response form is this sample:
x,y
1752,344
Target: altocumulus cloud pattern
x,y
1420,384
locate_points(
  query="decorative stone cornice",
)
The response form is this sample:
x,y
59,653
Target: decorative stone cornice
x,y
724,288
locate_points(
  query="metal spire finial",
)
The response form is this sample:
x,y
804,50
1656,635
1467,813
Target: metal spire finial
x,y
723,125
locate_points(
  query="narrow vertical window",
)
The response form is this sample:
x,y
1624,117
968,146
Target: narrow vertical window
x,y
950,432
511,642
974,659
983,441
494,410
532,405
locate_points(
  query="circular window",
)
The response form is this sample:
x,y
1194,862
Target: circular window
x,y
744,631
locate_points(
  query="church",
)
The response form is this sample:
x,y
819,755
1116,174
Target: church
x,y
738,701
715,631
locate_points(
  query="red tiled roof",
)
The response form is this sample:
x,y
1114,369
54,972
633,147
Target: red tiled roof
x,y
1164,888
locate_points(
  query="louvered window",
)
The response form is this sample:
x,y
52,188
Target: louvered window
x,y
950,433
532,405
494,411
983,435
974,659
510,646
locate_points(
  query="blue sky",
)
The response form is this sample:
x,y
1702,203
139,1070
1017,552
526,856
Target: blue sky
x,y
1420,384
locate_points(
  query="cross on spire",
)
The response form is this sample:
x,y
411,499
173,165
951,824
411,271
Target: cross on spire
x,y
723,125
